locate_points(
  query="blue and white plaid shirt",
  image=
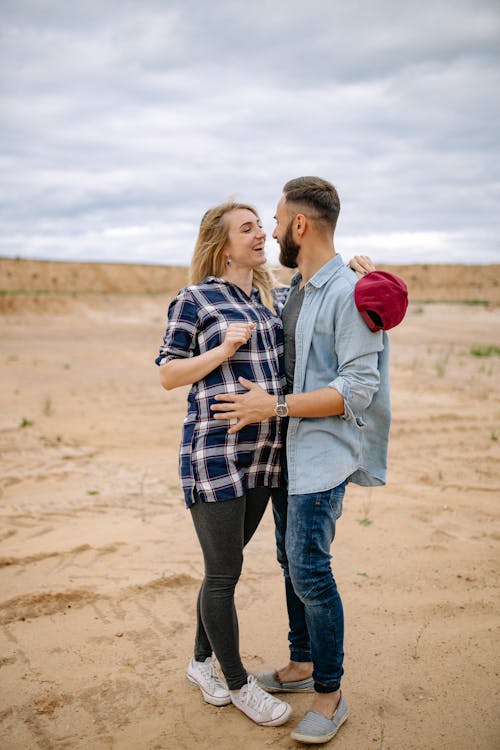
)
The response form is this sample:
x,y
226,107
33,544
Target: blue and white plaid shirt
x,y
218,465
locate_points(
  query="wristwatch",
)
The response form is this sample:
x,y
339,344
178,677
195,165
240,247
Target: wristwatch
x,y
281,408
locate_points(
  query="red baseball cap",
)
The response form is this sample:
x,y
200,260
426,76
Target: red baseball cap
x,y
382,299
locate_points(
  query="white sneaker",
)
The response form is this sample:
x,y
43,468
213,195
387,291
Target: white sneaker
x,y
204,675
259,705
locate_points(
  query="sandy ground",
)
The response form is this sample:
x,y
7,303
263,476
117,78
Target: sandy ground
x,y
99,567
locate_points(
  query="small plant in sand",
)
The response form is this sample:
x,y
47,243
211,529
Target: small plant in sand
x,y
365,520
48,409
494,435
415,655
382,727
26,422
92,492
486,370
441,364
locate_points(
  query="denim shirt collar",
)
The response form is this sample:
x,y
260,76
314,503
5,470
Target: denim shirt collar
x,y
323,275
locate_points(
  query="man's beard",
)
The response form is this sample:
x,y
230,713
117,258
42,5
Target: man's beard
x,y
289,250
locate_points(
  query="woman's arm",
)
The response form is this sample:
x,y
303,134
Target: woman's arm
x,y
186,371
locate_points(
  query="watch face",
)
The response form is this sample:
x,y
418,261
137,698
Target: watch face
x,y
282,410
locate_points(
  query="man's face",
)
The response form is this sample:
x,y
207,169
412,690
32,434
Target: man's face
x,y
283,233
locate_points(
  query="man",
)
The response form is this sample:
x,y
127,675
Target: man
x,y
338,427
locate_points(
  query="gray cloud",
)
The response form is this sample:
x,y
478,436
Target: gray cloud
x,y
122,122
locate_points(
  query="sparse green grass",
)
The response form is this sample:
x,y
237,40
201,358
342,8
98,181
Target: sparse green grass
x,y
48,409
494,435
92,492
440,366
486,370
415,655
26,422
365,520
485,351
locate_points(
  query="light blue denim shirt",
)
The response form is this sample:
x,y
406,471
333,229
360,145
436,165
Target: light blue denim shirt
x,y
335,348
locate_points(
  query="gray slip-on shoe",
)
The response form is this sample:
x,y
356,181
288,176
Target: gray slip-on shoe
x,y
315,728
270,681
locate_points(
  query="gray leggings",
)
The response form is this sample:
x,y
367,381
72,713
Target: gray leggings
x,y
223,529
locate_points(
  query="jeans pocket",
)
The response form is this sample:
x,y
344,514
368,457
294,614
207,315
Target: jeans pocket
x,y
336,500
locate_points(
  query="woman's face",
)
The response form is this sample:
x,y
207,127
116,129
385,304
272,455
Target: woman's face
x,y
246,240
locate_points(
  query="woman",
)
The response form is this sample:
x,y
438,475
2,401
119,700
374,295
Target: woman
x,y
225,325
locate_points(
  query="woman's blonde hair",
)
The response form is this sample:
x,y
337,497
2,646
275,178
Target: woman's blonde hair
x,y
208,257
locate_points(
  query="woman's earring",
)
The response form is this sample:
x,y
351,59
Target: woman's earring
x,y
228,262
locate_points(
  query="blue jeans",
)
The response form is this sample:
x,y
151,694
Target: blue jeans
x,y
305,529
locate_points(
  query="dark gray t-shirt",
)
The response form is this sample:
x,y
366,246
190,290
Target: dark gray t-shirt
x,y
289,317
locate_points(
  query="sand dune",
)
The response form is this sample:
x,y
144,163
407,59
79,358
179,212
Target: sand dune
x,y
99,566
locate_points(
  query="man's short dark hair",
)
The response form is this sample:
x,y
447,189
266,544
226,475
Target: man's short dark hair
x,y
317,198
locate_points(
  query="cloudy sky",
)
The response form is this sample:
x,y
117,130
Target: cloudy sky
x,y
123,120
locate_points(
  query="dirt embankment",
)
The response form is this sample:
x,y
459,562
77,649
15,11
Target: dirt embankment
x,y
33,285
